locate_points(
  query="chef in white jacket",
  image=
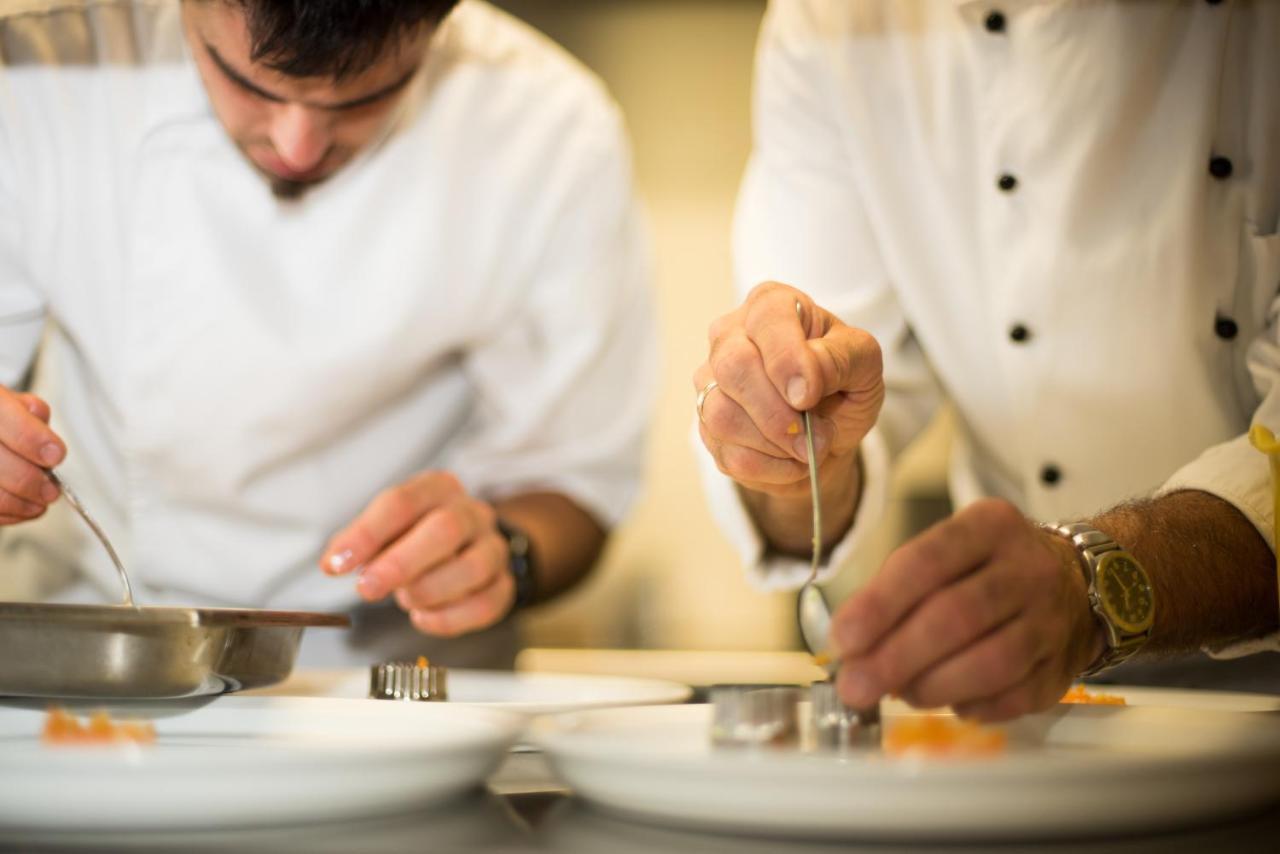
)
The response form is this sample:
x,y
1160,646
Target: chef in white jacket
x,y
338,311
1062,218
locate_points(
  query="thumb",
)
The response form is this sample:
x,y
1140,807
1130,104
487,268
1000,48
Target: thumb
x,y
850,360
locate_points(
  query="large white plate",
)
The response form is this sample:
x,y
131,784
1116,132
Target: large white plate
x,y
1078,770
238,761
526,693
1181,698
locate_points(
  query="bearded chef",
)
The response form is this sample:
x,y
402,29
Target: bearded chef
x,y
327,306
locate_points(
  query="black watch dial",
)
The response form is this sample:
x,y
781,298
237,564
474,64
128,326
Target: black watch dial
x,y
1125,592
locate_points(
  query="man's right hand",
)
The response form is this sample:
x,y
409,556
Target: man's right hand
x,y
770,364
27,448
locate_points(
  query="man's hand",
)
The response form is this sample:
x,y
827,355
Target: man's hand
x,y
984,612
27,447
437,548
770,364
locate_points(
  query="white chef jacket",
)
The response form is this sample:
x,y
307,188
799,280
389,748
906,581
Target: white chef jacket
x,y
1103,318
236,376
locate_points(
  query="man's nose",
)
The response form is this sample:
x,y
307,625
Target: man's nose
x,y
300,137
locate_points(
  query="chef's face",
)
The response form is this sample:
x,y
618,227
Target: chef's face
x,y
296,131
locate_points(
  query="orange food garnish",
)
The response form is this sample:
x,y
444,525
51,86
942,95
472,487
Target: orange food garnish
x,y
1080,694
63,728
822,659
423,663
932,735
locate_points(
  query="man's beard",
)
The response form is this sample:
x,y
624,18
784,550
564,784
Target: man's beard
x,y
290,191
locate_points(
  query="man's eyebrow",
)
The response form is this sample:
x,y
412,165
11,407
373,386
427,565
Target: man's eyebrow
x,y
239,79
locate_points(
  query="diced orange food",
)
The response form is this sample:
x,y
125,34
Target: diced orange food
x,y
933,735
423,663
1080,694
60,727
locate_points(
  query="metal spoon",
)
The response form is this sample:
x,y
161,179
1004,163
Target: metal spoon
x,y
812,611
74,501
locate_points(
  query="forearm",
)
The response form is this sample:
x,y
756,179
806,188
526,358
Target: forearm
x,y
565,540
786,522
1213,576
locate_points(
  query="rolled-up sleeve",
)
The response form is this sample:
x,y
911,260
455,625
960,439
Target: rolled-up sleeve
x,y
1235,471
800,220
565,389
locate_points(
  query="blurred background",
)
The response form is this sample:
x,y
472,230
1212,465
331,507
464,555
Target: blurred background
x,y
681,70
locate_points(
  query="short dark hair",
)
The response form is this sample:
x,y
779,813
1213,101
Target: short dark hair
x,y
332,38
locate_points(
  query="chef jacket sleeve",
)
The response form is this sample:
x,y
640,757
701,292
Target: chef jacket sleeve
x,y
800,221
565,388
1235,471
21,305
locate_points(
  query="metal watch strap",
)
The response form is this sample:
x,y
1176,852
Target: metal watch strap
x,y
520,564
1090,545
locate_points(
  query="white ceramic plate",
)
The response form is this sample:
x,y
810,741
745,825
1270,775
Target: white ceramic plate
x,y
1079,770
526,693
240,761
1180,698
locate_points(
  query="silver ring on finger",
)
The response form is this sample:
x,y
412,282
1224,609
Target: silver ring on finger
x,y
702,398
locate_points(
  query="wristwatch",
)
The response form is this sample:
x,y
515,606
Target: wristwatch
x,y
520,564
1120,594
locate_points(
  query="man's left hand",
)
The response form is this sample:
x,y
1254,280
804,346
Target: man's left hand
x,y
983,612
436,548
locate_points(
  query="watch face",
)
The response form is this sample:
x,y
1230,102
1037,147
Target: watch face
x,y
1125,592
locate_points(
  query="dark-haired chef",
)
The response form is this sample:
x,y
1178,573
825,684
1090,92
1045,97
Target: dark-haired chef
x,y
1061,218
326,306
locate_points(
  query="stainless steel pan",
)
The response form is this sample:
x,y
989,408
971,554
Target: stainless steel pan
x,y
113,651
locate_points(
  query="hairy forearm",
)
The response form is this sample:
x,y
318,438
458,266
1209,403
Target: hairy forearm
x,y
565,540
786,522
1213,576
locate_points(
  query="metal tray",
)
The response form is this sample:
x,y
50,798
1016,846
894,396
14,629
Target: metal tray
x,y
114,651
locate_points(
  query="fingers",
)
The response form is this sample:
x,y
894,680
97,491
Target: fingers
x,y
24,431
726,422
739,368
436,538
780,334
477,611
919,569
436,548
990,667
456,579
942,631
1039,690
27,448
388,516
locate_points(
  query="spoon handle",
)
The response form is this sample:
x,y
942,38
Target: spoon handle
x,y
813,486
74,500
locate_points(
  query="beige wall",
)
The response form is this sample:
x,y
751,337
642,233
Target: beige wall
x,y
681,69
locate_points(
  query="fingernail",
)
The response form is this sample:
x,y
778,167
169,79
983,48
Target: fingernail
x,y
50,454
339,562
801,449
370,587
49,492
819,443
860,690
797,388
